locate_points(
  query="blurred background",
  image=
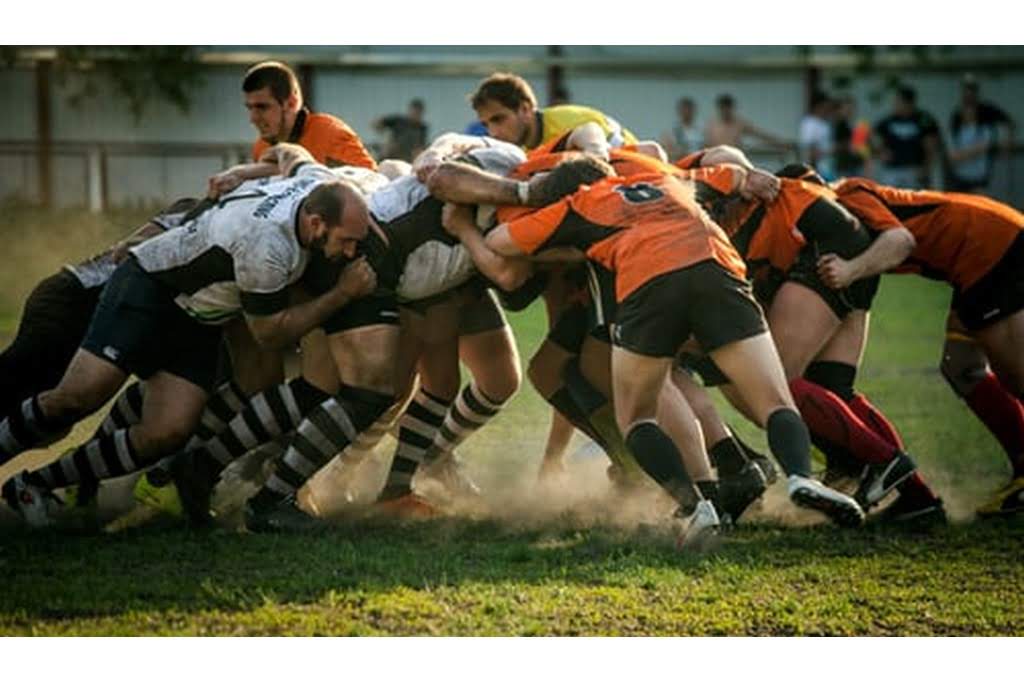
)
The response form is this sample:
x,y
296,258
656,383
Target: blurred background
x,y
126,127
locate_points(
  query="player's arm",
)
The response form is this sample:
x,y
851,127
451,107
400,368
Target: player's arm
x,y
589,137
757,182
889,250
443,147
508,271
288,157
275,325
461,183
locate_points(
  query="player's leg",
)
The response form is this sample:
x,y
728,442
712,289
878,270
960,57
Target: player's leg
x,y
428,345
364,356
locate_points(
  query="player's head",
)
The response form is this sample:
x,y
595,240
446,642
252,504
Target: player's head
x,y
686,109
905,101
334,219
416,109
726,106
273,97
506,105
567,177
804,172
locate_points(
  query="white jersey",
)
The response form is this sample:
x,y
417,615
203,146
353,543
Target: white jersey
x,y
429,260
240,254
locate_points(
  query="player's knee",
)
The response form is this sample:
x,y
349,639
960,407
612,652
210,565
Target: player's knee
x,y
157,440
962,367
834,376
502,382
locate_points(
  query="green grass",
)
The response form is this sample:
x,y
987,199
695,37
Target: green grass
x,y
536,568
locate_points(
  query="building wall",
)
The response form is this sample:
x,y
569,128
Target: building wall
x,y
644,103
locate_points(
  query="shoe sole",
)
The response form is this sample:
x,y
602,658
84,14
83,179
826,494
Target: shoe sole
x,y
867,504
843,515
930,515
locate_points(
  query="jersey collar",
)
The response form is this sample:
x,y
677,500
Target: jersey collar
x,y
300,124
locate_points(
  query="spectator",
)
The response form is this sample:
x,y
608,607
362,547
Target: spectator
x,y
975,137
407,134
815,136
685,136
907,141
851,140
729,128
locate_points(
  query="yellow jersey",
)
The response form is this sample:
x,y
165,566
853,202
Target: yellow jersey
x,y
556,121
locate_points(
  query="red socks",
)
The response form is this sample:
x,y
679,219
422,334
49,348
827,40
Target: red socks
x,y
829,417
1003,414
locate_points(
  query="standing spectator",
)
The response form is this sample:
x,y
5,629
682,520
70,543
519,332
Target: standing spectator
x,y
908,140
815,136
851,140
729,128
407,134
685,135
975,137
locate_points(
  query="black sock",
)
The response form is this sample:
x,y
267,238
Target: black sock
x,y
563,402
728,457
658,456
709,491
790,441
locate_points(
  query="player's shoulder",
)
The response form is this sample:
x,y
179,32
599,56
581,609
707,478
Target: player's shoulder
x,y
325,122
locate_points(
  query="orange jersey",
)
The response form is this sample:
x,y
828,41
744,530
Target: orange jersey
x,y
327,138
960,237
691,160
626,162
639,227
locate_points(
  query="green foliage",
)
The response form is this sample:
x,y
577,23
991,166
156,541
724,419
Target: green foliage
x,y
141,75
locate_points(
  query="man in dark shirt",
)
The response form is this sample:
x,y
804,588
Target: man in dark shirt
x,y
975,136
907,141
408,133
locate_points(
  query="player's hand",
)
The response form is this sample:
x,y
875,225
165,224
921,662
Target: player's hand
x,y
457,218
760,185
222,183
835,272
426,163
357,279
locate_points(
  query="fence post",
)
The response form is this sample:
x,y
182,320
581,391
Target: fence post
x,y
95,175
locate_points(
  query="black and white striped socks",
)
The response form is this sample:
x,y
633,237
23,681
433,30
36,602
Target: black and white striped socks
x,y
27,428
417,429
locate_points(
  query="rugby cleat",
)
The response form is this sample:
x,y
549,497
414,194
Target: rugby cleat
x,y
35,504
1006,501
813,495
736,493
700,529
767,467
919,512
409,506
282,517
154,489
448,472
879,479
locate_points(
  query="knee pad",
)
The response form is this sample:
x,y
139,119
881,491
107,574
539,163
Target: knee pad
x,y
834,376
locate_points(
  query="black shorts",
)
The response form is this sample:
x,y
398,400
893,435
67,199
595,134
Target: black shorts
x,y
479,310
378,308
704,300
998,295
138,327
53,323
830,229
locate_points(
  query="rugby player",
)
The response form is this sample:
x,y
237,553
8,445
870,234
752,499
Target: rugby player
x,y
160,316
976,244
649,230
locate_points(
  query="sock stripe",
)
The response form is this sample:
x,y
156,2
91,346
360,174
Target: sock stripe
x,y
264,416
125,452
424,414
341,419
479,403
301,458
70,464
95,458
434,404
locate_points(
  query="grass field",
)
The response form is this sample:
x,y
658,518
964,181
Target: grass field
x,y
571,562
